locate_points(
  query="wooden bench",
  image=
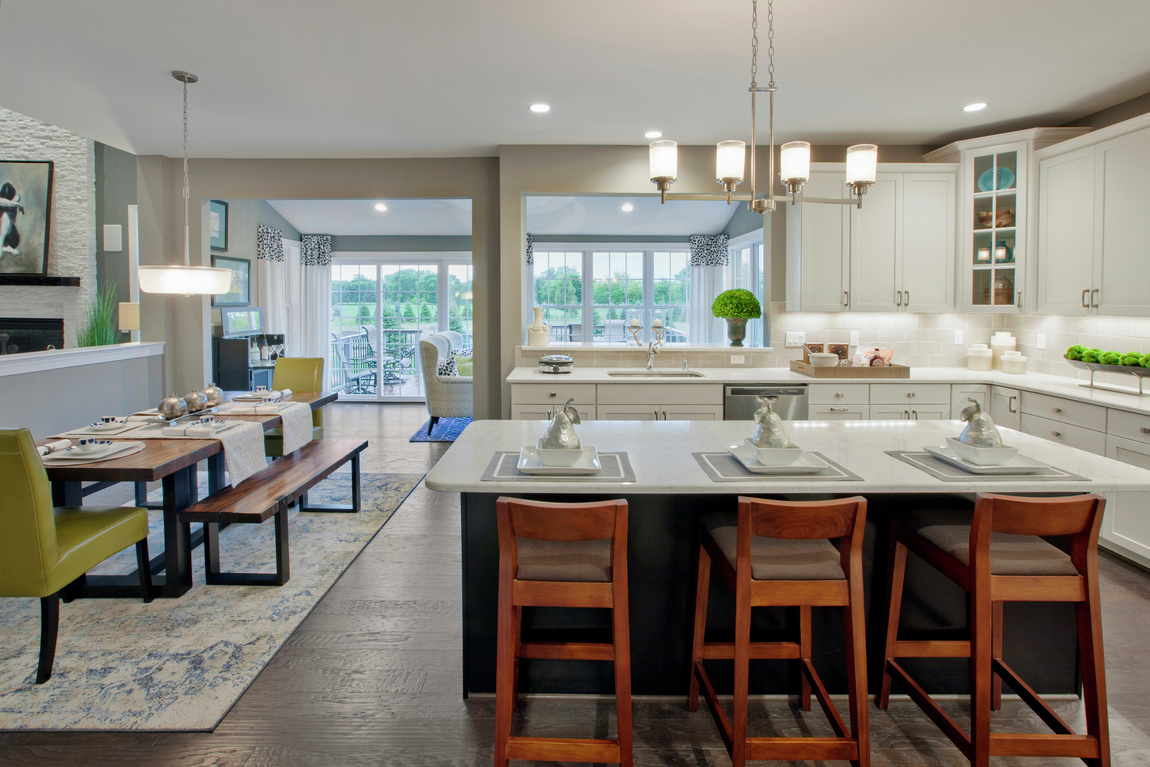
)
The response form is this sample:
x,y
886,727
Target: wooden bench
x,y
267,493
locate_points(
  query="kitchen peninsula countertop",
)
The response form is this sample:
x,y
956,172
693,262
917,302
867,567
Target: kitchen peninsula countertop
x,y
1058,386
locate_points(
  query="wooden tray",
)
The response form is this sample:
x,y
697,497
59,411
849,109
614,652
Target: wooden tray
x,y
890,371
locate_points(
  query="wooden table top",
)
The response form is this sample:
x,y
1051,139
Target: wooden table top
x,y
162,457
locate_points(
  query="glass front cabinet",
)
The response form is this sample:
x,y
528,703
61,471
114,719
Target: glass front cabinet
x,y
994,198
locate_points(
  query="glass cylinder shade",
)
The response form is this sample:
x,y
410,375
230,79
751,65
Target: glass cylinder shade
x,y
730,158
862,163
185,280
664,159
795,161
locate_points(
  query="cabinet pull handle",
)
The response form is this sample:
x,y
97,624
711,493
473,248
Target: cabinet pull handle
x,y
552,394
906,415
910,394
839,409
1009,406
664,415
1094,298
1084,294
548,413
838,394
846,299
898,298
1019,302
1056,434
1145,430
906,303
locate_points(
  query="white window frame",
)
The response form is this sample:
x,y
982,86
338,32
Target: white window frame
x,y
588,292
758,278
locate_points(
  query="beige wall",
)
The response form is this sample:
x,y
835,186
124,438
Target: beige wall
x,y
185,321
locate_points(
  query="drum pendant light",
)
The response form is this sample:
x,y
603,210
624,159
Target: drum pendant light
x,y
186,280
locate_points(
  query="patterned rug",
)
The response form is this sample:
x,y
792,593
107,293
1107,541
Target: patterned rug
x,y
447,430
180,664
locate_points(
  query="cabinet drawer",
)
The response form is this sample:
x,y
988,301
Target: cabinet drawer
x,y
549,394
627,413
663,394
531,413
1064,410
907,394
1064,433
838,412
839,394
1133,426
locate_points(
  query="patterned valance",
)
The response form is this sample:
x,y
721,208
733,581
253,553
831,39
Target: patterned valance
x,y
316,249
709,249
530,250
269,243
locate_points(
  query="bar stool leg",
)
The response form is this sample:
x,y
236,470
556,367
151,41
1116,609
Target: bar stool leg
x,y
996,653
517,617
621,636
854,620
1092,660
896,570
805,653
504,677
742,671
981,646
702,592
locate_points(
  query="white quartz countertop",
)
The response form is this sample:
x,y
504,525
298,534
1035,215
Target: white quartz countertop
x,y
660,453
1058,386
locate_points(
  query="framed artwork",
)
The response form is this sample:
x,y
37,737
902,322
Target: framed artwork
x,y
218,224
241,290
25,216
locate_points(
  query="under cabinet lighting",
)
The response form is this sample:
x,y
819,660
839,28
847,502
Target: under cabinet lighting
x,y
540,108
975,107
653,134
627,207
380,207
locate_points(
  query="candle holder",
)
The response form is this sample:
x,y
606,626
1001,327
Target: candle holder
x,y
659,330
634,330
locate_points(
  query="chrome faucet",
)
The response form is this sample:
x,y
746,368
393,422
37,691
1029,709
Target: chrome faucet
x,y
652,350
685,365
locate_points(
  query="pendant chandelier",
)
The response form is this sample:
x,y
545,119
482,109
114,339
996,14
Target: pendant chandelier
x,y
186,280
794,156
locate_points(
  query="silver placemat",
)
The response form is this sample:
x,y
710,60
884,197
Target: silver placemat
x,y
948,473
504,468
724,467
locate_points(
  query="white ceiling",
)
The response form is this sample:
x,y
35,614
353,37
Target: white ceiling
x,y
605,216
359,217
348,78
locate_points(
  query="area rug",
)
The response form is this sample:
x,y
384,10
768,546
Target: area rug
x,y
180,664
447,430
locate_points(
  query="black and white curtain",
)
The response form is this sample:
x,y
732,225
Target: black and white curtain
x,y
316,250
269,243
272,278
530,250
710,276
709,249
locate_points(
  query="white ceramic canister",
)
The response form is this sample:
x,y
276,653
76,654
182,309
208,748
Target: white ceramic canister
x,y
1012,362
1002,342
978,357
538,334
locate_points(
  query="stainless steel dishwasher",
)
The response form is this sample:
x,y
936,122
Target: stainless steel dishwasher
x,y
740,401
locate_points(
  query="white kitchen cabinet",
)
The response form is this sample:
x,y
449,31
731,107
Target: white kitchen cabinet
x,y
539,401
1126,524
533,413
1066,232
838,413
691,412
1064,433
1121,227
961,394
838,394
659,402
909,412
1005,407
898,248
907,395
1068,411
627,413
660,412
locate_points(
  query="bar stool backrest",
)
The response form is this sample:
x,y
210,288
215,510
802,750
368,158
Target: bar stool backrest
x,y
1078,516
562,522
843,520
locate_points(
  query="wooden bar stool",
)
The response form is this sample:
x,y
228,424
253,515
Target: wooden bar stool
x,y
772,554
561,555
1000,558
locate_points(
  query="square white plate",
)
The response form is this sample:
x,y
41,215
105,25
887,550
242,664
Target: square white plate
x,y
807,463
1019,464
529,463
87,455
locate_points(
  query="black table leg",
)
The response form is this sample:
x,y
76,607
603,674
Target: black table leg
x,y
69,494
177,534
216,466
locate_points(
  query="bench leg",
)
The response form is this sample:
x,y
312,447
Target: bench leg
x,y
212,557
283,565
346,508
211,553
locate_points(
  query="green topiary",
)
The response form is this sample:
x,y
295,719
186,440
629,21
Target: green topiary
x,y
737,303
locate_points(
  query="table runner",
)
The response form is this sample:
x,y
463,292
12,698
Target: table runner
x,y
614,467
243,446
296,417
947,473
724,467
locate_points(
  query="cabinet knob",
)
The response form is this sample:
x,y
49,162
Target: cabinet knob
x,y
552,394
838,394
910,394
1056,434
1145,430
1056,409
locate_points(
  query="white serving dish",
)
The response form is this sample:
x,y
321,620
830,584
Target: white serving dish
x,y
982,456
806,464
1019,464
823,359
530,463
774,456
558,456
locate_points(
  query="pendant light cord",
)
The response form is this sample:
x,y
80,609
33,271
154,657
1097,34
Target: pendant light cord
x,y
187,190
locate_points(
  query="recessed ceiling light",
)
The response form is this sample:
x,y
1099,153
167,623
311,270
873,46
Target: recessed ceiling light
x,y
974,107
653,134
540,107
628,207
380,207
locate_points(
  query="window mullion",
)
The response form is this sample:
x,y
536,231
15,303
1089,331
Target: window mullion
x,y
588,294
649,293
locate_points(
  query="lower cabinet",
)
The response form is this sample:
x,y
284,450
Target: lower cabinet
x,y
916,412
538,412
1005,407
1126,523
1064,433
962,394
659,412
838,413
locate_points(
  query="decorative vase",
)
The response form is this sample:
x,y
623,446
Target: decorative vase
x,y
736,330
195,400
214,394
172,407
538,334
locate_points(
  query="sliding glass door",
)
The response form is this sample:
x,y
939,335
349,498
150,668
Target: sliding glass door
x,y
381,305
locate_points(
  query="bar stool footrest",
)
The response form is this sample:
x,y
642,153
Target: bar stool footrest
x,y
801,749
567,651
563,749
1074,746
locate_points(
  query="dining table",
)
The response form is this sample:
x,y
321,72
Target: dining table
x,y
175,464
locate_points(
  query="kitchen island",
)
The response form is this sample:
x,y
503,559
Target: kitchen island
x,y
671,490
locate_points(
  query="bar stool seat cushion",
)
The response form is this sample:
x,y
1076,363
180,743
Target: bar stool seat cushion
x,y
777,559
1009,554
577,561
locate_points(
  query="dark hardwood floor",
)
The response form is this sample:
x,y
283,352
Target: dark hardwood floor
x,y
372,677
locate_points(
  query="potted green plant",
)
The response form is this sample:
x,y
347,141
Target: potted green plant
x,y
99,328
736,306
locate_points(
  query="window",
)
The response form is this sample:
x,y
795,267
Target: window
x,y
746,260
647,285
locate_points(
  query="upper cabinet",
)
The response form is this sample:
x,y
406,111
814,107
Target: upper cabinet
x,y
896,253
994,216
1092,223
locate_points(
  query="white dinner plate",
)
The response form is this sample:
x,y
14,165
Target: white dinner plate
x,y
806,464
1019,464
114,426
529,463
87,455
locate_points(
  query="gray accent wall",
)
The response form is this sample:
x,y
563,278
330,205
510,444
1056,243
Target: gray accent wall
x,y
115,191
743,220
244,216
399,244
1139,105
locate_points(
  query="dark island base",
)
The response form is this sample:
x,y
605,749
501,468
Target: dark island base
x,y
1039,638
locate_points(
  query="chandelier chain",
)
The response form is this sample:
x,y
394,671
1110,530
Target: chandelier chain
x,y
754,41
771,43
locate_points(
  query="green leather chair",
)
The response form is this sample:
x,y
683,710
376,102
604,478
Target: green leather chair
x,y
300,374
43,549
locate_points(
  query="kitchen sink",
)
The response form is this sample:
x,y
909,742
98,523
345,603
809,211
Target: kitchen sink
x,y
655,374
